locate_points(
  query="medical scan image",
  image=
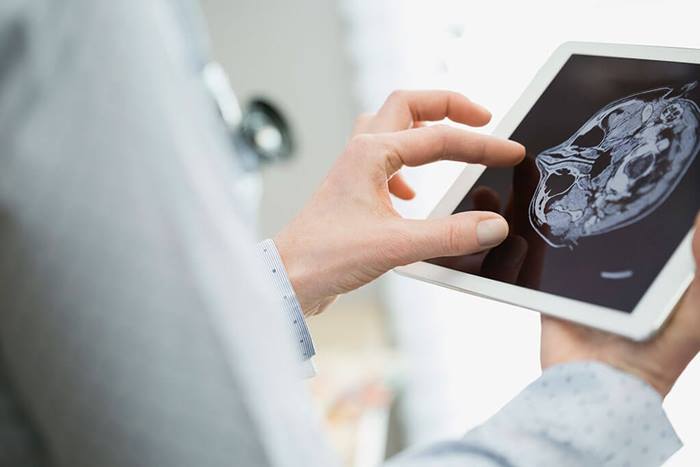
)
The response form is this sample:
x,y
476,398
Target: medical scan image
x,y
617,168
609,186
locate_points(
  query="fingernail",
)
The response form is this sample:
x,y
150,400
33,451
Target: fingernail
x,y
491,232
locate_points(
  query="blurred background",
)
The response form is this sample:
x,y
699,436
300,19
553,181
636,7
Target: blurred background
x,y
402,363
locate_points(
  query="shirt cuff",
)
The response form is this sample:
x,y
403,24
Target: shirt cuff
x,y
289,303
590,412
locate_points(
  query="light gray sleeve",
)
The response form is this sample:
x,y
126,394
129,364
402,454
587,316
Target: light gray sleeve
x,y
582,414
136,328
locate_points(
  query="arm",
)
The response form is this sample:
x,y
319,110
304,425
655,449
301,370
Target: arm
x,y
579,414
363,237
135,328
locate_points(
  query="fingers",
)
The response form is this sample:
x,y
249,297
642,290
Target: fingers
x,y
424,145
362,124
397,184
505,262
410,109
486,199
403,108
400,188
459,234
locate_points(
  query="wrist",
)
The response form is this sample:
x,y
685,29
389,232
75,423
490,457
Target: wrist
x,y
300,275
649,361
653,378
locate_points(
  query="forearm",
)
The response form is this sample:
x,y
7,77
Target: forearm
x,y
579,414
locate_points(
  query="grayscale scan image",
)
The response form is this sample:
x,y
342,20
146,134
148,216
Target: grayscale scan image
x,y
617,168
608,189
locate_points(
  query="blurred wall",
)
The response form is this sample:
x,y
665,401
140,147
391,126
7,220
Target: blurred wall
x,y
291,53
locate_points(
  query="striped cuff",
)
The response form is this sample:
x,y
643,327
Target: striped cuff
x,y
290,305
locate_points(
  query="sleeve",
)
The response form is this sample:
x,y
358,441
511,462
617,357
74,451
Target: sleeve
x,y
581,414
135,328
289,305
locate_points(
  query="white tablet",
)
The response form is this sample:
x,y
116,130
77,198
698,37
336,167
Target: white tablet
x,y
601,210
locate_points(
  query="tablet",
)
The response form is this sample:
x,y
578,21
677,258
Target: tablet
x,y
602,207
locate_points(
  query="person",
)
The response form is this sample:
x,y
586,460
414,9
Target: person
x,y
141,326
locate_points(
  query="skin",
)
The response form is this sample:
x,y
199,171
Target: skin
x,y
349,233
659,361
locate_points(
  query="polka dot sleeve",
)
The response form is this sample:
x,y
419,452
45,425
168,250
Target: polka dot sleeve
x,y
583,414
289,304
575,415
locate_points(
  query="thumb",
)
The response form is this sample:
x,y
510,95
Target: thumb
x,y
459,234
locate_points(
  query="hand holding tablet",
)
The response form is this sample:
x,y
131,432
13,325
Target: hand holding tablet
x,y
602,207
659,361
349,233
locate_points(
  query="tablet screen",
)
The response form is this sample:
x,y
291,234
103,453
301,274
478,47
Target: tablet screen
x,y
608,189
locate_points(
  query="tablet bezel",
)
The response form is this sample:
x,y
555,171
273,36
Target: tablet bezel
x,y
668,287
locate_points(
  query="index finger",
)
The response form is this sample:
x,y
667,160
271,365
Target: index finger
x,y
429,144
404,108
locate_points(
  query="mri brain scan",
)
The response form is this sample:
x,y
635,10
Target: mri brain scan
x,y
617,168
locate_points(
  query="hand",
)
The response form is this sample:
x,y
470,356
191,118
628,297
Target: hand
x,y
519,259
659,361
349,233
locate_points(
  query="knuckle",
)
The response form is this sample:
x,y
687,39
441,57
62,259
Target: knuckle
x,y
454,238
459,236
480,149
458,95
397,95
371,147
363,118
361,144
400,248
439,129
441,134
392,158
